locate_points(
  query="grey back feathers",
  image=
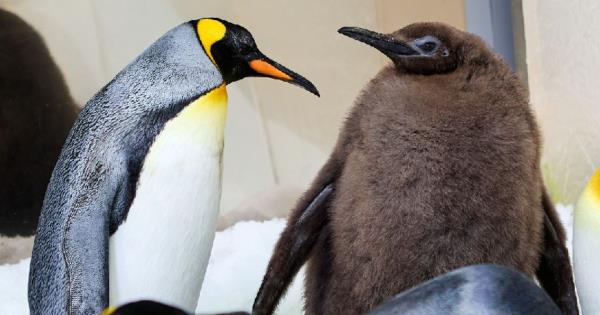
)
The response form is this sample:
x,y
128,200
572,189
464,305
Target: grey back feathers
x,y
94,180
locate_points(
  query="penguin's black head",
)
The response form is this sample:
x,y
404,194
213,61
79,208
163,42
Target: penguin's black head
x,y
147,307
233,50
421,48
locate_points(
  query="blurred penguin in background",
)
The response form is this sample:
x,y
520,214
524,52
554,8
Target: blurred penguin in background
x,y
36,113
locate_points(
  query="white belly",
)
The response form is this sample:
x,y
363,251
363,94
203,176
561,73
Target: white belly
x,y
586,247
161,250
586,265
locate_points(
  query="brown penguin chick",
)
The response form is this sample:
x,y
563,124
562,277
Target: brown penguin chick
x,y
36,113
437,167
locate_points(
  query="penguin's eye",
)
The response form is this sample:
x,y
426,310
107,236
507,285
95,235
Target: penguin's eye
x,y
428,47
246,50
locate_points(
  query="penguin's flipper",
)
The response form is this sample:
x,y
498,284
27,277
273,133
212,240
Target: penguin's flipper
x,y
292,251
303,229
555,273
69,265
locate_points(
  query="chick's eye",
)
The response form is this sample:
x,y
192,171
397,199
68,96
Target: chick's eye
x,y
428,46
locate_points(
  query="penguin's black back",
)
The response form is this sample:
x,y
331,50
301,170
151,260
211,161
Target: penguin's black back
x,y
36,113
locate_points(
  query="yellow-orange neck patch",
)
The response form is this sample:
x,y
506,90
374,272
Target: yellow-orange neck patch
x,y
109,310
210,31
593,188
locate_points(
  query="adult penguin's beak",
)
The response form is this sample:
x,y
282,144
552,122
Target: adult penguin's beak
x,y
384,43
265,67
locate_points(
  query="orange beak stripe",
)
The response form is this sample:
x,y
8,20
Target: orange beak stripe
x,y
267,69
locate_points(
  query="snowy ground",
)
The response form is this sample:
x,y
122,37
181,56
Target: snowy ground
x,y
237,264
236,267
239,258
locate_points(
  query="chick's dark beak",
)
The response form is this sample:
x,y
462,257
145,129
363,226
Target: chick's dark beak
x,y
265,67
384,43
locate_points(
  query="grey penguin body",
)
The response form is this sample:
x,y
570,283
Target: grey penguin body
x,y
473,290
94,180
436,167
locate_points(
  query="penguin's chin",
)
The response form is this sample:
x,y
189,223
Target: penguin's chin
x,y
424,65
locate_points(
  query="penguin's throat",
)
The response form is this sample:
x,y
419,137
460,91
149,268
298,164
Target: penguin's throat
x,y
202,121
161,250
593,189
194,134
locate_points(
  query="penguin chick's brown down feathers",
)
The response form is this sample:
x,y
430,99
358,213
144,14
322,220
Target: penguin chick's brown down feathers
x,y
437,167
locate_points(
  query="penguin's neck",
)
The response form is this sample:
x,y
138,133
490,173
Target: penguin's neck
x,y
161,250
201,122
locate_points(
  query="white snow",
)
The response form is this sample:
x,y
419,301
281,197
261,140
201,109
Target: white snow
x,y
239,259
237,264
236,267
13,288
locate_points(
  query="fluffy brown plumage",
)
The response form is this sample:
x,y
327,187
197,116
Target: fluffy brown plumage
x,y
437,167
36,113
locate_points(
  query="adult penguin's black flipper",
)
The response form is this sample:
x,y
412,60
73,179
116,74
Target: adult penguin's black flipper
x,y
303,230
555,272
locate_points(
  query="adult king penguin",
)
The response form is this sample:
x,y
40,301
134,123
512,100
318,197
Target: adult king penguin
x,y
586,244
436,167
139,178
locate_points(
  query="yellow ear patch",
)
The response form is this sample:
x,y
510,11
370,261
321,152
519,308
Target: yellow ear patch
x,y
210,31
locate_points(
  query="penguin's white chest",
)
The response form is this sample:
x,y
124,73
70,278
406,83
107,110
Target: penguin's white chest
x,y
161,250
586,246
